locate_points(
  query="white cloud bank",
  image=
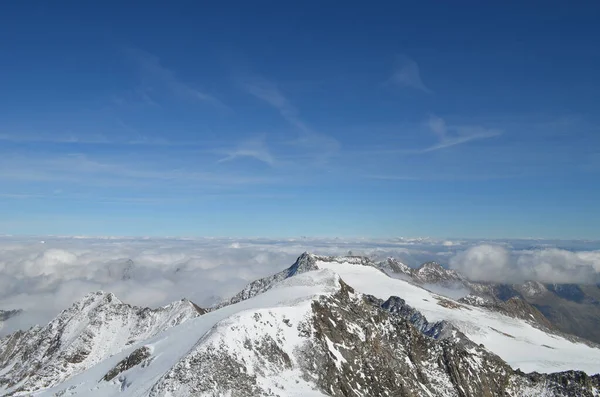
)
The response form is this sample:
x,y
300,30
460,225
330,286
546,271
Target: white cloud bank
x,y
45,275
488,262
43,278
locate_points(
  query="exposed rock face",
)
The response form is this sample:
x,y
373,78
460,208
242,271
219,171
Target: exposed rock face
x,y
94,328
136,358
398,307
381,352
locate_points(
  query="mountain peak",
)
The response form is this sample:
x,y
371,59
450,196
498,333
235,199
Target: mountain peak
x,y
6,314
184,303
433,272
533,288
431,265
304,263
392,265
97,298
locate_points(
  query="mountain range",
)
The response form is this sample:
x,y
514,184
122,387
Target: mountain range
x,y
325,326
571,308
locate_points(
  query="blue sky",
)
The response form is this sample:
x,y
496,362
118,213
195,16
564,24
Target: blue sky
x,y
273,119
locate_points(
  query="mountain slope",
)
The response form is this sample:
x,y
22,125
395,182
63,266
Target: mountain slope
x,y
94,328
564,308
314,335
173,350
515,340
304,263
335,326
570,308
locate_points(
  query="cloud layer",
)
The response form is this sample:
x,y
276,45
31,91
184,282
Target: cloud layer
x,y
44,275
489,262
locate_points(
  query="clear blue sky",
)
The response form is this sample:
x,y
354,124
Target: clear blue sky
x,y
305,118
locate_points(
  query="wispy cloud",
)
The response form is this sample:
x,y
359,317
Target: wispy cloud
x,y
131,139
20,196
321,145
53,138
82,170
155,76
407,74
254,148
455,135
393,177
270,93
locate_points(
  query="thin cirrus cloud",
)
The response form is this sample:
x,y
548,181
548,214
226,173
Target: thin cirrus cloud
x,y
156,77
255,149
320,146
96,139
449,136
270,93
85,170
408,75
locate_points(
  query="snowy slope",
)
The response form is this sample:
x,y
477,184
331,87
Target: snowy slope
x,y
307,331
169,350
94,328
518,343
304,263
310,335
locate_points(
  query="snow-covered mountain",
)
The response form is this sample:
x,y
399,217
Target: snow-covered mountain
x,y
304,263
326,326
93,329
571,308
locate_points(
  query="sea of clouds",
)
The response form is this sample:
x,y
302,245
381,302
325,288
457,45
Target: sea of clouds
x,y
43,275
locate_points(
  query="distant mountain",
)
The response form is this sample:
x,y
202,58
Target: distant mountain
x,y
7,314
326,326
570,308
427,273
